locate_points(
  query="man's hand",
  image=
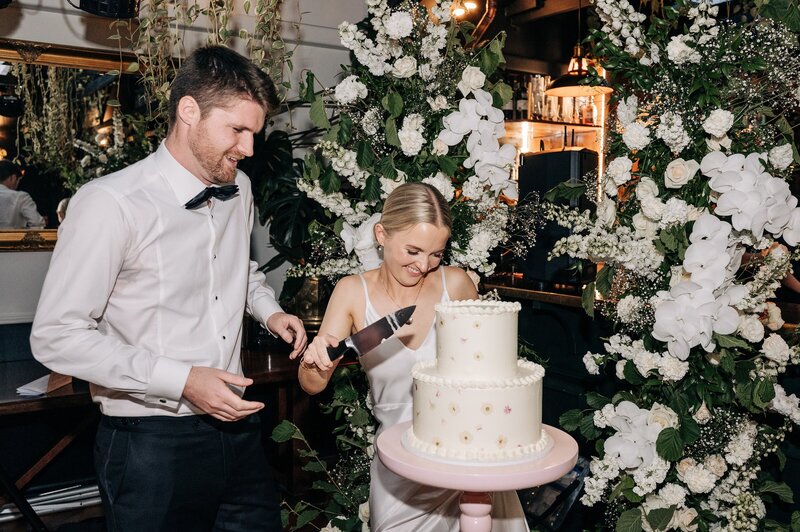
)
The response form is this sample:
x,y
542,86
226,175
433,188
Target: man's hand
x,y
290,329
207,389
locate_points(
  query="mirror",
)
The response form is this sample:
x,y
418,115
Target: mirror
x,y
86,67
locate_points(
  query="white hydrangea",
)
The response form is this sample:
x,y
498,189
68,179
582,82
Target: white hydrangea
x,y
636,136
411,135
788,405
780,157
679,51
697,477
672,369
670,130
673,494
399,25
443,184
591,364
740,448
676,212
628,110
718,123
349,90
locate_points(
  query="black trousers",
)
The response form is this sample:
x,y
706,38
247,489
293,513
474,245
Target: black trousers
x,y
191,473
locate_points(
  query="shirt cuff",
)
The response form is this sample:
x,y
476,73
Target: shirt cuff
x,y
167,382
263,309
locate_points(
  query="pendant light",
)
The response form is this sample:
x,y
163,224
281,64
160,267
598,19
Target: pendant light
x,y
573,83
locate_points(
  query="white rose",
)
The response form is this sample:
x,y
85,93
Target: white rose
x,y
750,328
606,212
776,349
363,512
773,319
471,79
399,25
718,123
663,415
647,188
627,110
716,464
620,170
682,520
439,147
405,67
680,172
644,226
780,157
653,208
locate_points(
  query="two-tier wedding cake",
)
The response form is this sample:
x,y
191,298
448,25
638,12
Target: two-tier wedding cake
x,y
477,401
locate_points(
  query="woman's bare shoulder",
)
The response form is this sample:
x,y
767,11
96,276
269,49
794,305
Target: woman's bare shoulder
x,y
459,283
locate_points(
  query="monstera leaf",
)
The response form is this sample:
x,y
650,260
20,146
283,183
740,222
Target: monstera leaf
x,y
274,173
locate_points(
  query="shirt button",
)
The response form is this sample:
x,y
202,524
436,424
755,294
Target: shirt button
x,y
215,256
223,337
216,298
162,401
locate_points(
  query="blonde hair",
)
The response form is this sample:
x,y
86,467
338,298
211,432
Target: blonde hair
x,y
415,203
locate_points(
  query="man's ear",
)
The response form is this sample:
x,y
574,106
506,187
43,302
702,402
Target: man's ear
x,y
188,111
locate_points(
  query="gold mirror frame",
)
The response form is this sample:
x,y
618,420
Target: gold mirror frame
x,y
62,56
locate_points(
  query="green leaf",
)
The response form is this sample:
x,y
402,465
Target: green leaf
x,y
604,278
315,467
132,67
587,299
731,342
660,517
588,428
364,154
448,165
393,103
329,182
345,129
795,521
727,363
566,190
763,393
391,133
781,489
503,91
318,115
570,420
306,517
630,521
285,431
669,445
781,458
386,168
372,188
632,374
596,400
489,61
307,88
689,430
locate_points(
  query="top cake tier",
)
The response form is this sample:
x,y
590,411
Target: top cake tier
x,y
477,340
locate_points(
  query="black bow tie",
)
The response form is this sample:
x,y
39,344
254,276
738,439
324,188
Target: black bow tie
x,y
222,193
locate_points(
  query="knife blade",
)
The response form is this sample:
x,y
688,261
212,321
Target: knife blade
x,y
372,335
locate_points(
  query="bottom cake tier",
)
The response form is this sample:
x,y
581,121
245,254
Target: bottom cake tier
x,y
478,421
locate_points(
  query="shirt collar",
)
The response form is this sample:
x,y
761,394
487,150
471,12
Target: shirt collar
x,y
184,184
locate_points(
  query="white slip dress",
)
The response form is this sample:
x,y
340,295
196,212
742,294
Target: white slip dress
x,y
396,503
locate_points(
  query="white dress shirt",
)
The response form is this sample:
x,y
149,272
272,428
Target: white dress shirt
x,y
140,289
18,210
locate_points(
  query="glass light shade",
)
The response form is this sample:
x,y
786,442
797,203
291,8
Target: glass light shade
x,y
570,85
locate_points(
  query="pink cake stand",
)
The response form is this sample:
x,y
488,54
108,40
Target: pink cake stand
x,y
477,481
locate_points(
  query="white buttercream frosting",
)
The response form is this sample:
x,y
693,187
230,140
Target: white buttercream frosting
x,y
476,307
529,373
530,451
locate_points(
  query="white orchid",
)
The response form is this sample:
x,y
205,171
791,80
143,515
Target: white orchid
x,y
634,444
362,240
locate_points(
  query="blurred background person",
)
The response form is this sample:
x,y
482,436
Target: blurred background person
x,y
17,208
61,209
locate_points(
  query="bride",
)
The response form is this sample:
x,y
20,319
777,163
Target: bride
x,y
413,231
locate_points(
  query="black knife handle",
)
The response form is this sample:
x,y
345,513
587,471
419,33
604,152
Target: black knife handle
x,y
336,351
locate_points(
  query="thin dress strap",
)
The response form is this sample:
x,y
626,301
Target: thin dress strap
x,y
445,293
370,315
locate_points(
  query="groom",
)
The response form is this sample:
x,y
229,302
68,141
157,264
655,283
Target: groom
x,y
144,299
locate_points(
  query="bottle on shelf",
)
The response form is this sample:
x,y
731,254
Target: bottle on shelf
x,y
522,100
589,112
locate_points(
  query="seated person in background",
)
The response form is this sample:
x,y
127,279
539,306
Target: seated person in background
x,y
17,208
61,209
413,231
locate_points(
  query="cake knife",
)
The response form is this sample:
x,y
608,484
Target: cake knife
x,y
372,335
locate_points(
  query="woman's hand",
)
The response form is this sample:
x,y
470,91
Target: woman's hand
x,y
316,356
